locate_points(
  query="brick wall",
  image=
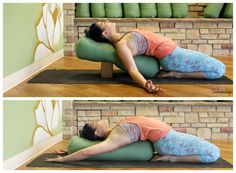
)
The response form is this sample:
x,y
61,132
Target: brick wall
x,y
69,120
196,10
69,28
211,36
209,120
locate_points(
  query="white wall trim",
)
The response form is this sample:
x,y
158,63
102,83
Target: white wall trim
x,y
14,79
21,158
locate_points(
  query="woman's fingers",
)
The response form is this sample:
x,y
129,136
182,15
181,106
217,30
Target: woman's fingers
x,y
50,160
60,152
151,88
159,90
58,159
156,89
148,85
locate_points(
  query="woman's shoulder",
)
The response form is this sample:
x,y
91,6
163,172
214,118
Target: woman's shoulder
x,y
119,136
117,131
125,39
127,36
121,43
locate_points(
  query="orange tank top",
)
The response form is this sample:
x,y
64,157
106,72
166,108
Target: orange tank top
x,y
151,129
158,45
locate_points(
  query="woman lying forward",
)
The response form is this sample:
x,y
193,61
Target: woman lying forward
x,y
170,145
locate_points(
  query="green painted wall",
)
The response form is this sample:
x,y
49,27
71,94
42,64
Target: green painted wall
x,y
19,35
19,123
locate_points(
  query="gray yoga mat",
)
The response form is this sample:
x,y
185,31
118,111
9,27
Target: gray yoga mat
x,y
40,162
94,77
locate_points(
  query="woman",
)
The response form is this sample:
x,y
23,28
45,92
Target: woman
x,y
170,145
176,61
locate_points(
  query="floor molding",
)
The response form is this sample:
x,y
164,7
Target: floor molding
x,y
21,158
14,79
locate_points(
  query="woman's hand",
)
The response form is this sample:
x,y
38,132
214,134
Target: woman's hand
x,y
58,159
61,152
150,87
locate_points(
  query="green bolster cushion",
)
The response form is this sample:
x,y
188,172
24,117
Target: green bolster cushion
x,y
228,11
113,10
138,151
98,9
213,10
131,10
91,50
82,10
179,10
148,10
164,10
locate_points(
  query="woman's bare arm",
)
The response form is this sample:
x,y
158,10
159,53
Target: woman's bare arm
x,y
127,59
115,140
125,55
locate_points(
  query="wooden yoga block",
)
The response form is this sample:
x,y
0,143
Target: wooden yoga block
x,y
106,69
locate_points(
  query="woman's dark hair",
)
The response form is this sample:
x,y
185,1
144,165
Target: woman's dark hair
x,y
88,132
95,32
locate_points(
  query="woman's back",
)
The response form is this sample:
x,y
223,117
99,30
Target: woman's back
x,y
151,129
158,45
145,42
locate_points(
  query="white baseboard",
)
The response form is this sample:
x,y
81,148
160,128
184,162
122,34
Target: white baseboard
x,y
21,158
14,79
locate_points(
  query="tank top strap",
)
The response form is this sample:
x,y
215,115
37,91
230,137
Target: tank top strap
x,y
125,35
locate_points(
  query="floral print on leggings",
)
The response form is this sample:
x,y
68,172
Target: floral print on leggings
x,y
182,144
183,60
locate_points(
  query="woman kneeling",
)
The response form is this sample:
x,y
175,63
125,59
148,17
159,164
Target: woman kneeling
x,y
170,145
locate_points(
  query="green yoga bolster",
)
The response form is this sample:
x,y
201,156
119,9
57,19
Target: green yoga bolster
x,y
82,10
148,10
228,11
98,9
213,10
91,50
113,10
164,10
138,151
131,10
179,10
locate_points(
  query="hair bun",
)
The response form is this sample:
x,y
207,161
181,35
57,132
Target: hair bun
x,y
86,31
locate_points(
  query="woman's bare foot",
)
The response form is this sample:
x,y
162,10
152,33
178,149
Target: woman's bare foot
x,y
187,75
165,158
173,74
173,158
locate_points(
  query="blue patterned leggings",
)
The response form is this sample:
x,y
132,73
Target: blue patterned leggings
x,y
182,144
183,60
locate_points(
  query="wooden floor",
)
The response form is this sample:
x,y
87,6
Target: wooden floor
x,y
117,90
226,148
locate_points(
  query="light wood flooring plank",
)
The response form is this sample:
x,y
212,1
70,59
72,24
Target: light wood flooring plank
x,y
117,90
